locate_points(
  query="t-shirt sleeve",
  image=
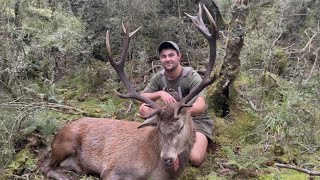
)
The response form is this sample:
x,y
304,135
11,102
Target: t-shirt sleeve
x,y
153,85
195,80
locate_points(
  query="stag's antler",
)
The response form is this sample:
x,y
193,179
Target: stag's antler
x,y
212,40
119,67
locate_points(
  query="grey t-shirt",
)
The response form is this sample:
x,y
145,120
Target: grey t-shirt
x,y
187,80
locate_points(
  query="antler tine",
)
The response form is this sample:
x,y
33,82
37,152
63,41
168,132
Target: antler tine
x,y
126,30
212,40
119,67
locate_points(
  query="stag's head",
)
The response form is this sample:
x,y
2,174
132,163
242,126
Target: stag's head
x,y
176,130
173,121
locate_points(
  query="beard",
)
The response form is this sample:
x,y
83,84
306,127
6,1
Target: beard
x,y
170,67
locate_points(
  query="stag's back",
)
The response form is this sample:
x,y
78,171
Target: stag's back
x,y
102,144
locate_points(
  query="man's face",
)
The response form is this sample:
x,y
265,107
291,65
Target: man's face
x,y
170,59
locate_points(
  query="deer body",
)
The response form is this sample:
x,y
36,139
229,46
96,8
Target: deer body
x,y
116,149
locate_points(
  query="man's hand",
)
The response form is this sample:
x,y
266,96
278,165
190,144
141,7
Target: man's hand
x,y
163,95
166,97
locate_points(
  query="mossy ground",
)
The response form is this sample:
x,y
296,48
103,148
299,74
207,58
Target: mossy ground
x,y
236,153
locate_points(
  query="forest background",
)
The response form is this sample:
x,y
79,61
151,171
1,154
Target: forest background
x,y
265,103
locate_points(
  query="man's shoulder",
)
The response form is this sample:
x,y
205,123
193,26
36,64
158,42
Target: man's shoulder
x,y
157,75
186,71
189,72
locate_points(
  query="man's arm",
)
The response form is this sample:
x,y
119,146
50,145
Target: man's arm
x,y
144,110
165,97
153,96
198,107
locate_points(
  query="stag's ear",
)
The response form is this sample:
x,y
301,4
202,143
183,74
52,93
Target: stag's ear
x,y
153,121
181,109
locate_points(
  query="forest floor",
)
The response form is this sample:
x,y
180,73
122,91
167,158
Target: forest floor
x,y
224,161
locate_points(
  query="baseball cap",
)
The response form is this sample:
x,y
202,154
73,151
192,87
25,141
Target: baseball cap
x,y
168,45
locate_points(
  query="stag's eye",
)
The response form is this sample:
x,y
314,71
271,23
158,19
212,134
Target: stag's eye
x,y
181,129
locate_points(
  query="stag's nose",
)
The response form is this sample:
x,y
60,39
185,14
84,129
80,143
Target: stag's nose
x,y
168,162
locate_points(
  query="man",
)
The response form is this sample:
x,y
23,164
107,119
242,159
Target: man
x,y
175,77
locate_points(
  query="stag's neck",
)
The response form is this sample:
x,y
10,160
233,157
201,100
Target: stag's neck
x,y
184,156
154,141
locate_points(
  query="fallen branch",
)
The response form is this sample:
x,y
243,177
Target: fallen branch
x,y
251,105
129,108
312,173
52,106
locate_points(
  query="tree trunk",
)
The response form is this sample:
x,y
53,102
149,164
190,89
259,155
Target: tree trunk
x,y
17,14
54,5
218,96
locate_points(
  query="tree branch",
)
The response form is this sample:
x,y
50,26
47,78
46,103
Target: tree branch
x,y
312,173
51,106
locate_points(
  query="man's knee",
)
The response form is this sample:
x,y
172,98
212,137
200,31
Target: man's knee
x,y
199,150
197,159
144,110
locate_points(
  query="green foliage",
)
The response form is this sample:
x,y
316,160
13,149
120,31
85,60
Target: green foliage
x,y
286,114
10,121
46,125
248,159
106,106
289,114
285,175
281,61
237,128
224,6
16,124
87,79
64,32
286,118
23,161
4,8
44,122
211,176
109,108
40,46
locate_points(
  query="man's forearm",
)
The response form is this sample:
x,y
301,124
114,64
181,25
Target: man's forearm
x,y
198,107
153,96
